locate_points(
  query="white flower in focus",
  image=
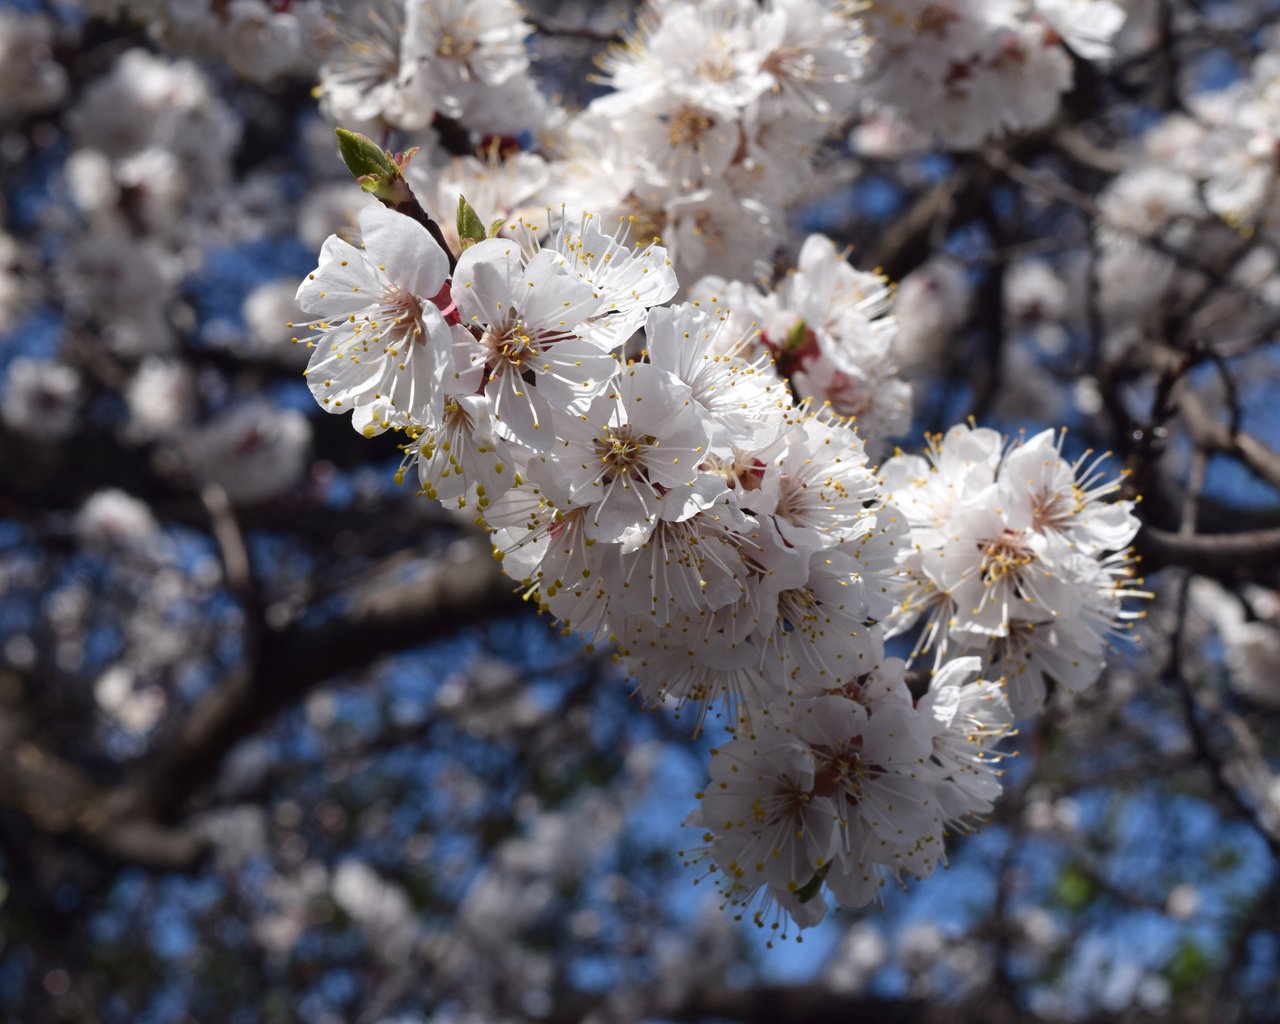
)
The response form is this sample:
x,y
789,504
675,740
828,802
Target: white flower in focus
x,y
383,349
708,657
872,397
971,718
1031,656
829,790
826,629
846,308
766,824
1015,557
821,484
956,470
526,349
461,460
1041,490
745,402
828,328
684,568
633,455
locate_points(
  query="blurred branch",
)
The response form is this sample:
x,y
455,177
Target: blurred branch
x,y
907,241
582,32
768,1004
462,590
1207,433
233,553
126,822
61,800
1253,550
1194,714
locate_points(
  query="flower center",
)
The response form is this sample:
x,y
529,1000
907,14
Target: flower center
x,y
1005,556
399,318
510,345
621,454
687,126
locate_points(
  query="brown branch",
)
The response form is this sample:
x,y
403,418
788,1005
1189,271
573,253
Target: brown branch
x,y
1193,714
62,801
127,822
768,1004
581,32
1209,434
1253,552
462,590
231,547
907,242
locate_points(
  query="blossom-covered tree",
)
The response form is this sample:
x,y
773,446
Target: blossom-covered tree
x,y
826,444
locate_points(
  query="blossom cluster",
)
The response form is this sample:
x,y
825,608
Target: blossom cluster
x,y
648,477
715,121
404,64
692,484
259,39
827,327
966,71
1016,556
715,116
849,788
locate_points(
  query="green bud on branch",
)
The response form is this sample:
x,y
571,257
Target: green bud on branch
x,y
470,227
381,174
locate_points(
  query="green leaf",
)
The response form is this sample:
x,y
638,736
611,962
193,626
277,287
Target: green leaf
x,y
1187,969
1074,889
497,226
811,888
470,227
364,157
795,336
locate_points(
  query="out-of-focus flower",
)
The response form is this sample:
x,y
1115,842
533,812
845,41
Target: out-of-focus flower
x,y
41,398
255,451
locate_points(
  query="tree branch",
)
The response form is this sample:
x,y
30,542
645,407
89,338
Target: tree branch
x,y
464,589
1253,552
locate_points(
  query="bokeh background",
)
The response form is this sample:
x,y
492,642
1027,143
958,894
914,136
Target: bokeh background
x,y
277,740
